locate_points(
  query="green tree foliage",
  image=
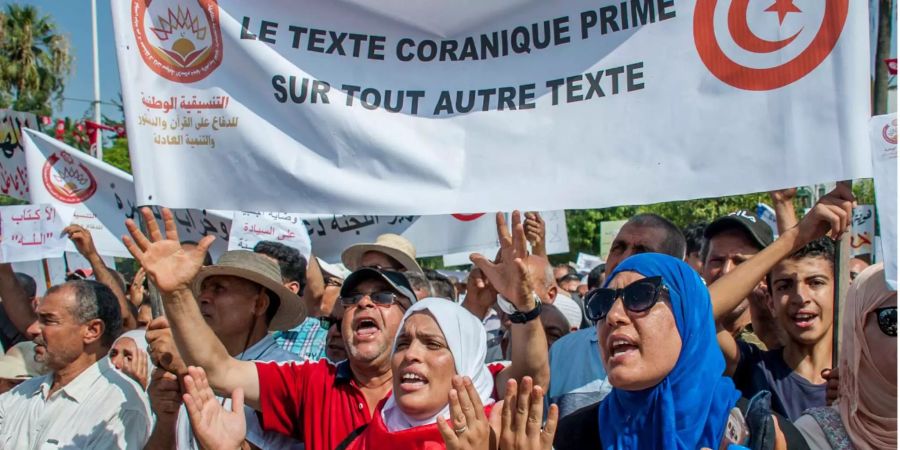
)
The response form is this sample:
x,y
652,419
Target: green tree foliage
x,y
584,224
117,154
35,60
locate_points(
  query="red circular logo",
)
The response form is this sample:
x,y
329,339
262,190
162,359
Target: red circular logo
x,y
68,180
467,217
764,79
889,132
180,41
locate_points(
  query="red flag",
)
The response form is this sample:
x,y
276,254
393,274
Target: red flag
x,y
891,65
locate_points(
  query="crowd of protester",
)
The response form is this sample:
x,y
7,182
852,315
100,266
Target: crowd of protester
x,y
717,336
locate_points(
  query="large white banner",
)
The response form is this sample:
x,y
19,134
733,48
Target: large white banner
x,y
430,107
13,175
101,196
883,131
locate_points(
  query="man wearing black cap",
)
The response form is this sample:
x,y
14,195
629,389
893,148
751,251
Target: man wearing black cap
x,y
320,403
729,241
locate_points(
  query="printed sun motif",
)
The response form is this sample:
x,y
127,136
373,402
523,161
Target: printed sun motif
x,y
183,29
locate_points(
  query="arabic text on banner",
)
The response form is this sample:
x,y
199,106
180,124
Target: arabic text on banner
x,y
862,233
249,228
100,197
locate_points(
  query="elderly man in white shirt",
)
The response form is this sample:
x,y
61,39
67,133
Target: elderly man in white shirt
x,y
83,402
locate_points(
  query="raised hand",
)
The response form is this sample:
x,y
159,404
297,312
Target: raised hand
x,y
520,421
169,266
214,426
509,275
82,239
136,291
468,427
536,233
831,216
783,195
136,367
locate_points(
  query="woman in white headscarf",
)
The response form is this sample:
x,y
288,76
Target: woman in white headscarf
x,y
437,341
129,356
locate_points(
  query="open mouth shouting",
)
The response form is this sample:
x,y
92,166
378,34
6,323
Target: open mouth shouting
x,y
365,328
412,380
620,347
804,319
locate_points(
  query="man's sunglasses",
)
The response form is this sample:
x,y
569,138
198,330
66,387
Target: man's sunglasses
x,y
887,320
636,297
383,298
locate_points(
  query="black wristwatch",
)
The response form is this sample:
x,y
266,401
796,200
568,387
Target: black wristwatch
x,y
516,316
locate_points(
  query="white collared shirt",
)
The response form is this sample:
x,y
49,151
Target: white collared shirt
x,y
266,349
100,408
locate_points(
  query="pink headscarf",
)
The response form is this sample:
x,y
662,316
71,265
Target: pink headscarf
x,y
868,400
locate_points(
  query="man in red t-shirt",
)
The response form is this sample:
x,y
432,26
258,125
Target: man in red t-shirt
x,y
320,402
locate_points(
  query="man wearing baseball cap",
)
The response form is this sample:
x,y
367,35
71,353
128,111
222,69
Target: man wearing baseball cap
x,y
727,242
240,300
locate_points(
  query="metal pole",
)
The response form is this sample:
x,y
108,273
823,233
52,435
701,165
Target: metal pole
x,y
882,51
156,305
99,150
841,282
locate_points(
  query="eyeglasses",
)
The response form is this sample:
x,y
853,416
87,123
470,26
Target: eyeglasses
x,y
383,298
887,320
636,297
334,282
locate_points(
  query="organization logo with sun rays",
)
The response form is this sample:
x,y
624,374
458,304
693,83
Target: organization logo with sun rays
x,y
68,180
179,40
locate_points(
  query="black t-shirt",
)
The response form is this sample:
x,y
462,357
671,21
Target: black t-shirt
x,y
760,370
579,430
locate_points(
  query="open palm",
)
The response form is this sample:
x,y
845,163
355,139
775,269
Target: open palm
x,y
213,425
509,275
168,265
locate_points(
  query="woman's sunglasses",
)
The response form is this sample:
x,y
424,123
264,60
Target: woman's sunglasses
x,y
887,320
637,297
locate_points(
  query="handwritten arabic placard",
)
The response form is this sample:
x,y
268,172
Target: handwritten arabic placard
x,y
13,176
863,232
30,233
249,228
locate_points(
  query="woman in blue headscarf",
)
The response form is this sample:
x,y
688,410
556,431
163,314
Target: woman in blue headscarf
x,y
658,344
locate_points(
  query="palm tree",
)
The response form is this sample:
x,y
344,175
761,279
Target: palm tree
x,y
35,60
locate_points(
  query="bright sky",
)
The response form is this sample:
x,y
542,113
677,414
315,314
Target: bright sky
x,y
73,18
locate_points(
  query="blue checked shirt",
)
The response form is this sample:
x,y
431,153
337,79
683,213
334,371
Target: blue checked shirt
x,y
307,340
